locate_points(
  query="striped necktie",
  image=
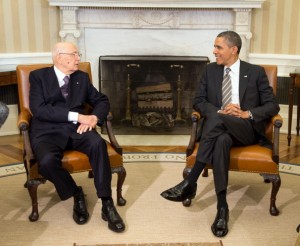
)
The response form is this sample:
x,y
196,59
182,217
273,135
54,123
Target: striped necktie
x,y
65,88
226,88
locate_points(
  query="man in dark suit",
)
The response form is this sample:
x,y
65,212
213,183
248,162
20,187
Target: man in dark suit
x,y
237,118
57,97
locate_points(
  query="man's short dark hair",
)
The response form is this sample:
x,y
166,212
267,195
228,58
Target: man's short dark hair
x,y
232,38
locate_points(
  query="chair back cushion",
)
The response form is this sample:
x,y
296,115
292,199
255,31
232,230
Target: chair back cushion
x,y
271,71
23,72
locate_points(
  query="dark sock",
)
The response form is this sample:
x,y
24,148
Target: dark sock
x,y
104,199
195,172
222,201
76,191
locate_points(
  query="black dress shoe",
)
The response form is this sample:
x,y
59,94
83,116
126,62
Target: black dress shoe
x,y
220,226
180,192
110,214
80,213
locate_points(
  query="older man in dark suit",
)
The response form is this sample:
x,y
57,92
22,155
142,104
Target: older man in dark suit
x,y
236,100
57,97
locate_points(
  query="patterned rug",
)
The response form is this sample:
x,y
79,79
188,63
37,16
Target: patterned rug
x,y
18,168
154,157
289,168
11,169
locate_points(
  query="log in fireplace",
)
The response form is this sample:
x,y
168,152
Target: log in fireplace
x,y
150,94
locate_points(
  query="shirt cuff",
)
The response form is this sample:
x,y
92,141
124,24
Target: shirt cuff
x,y
73,116
250,115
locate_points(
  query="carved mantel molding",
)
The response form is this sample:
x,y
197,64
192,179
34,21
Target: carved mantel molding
x,y
76,15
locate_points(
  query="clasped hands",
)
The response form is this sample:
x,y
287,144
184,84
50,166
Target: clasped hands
x,y
87,123
234,110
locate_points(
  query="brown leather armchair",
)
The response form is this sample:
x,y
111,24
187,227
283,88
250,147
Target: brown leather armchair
x,y
254,158
73,161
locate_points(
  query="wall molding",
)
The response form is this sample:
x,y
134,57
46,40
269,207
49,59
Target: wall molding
x,y
9,61
286,63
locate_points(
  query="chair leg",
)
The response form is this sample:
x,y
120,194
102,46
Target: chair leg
x,y
276,182
205,172
32,186
121,172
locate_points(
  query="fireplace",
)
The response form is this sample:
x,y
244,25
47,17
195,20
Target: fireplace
x,y
150,94
137,28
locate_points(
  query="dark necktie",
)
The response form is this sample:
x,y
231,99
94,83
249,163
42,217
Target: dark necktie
x,y
65,88
226,88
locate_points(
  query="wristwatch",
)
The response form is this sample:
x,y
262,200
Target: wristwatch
x,y
250,115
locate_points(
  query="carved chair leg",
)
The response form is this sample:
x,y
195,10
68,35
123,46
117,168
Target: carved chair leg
x,y
25,165
276,182
121,172
32,189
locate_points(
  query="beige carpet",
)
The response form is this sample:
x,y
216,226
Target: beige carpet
x,y
148,217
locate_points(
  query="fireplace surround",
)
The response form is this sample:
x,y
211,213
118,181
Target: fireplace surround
x,y
151,27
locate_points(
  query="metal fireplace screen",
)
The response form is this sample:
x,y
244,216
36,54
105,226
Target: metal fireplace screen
x,y
150,94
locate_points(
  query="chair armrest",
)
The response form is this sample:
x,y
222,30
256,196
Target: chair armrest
x,y
111,136
191,146
277,123
24,120
24,125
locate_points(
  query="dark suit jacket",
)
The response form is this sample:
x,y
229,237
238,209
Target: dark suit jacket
x,y
255,93
50,109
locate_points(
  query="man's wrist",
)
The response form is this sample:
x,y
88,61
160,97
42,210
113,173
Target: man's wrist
x,y
250,115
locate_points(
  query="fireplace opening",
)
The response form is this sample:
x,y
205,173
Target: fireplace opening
x,y
150,94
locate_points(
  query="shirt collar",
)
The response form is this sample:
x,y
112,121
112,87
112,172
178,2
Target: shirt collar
x,y
59,74
235,67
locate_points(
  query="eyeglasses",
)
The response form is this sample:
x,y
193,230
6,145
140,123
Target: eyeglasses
x,y
72,54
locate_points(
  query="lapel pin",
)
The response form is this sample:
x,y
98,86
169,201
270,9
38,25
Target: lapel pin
x,y
245,76
77,83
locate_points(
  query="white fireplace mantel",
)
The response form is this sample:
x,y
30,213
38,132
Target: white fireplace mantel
x,y
193,4
140,27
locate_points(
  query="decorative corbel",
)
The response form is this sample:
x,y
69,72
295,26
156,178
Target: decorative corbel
x,y
242,26
69,31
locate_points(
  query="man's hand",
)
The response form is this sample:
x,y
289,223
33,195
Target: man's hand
x,y
87,123
235,110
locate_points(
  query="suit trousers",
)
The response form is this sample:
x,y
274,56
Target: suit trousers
x,y
221,132
49,156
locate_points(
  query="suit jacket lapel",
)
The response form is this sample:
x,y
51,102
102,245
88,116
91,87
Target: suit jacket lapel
x,y
52,83
74,89
243,80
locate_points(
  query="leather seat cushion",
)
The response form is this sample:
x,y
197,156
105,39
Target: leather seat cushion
x,y
253,158
75,161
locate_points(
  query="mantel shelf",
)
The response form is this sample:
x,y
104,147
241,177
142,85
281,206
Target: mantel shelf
x,y
192,4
